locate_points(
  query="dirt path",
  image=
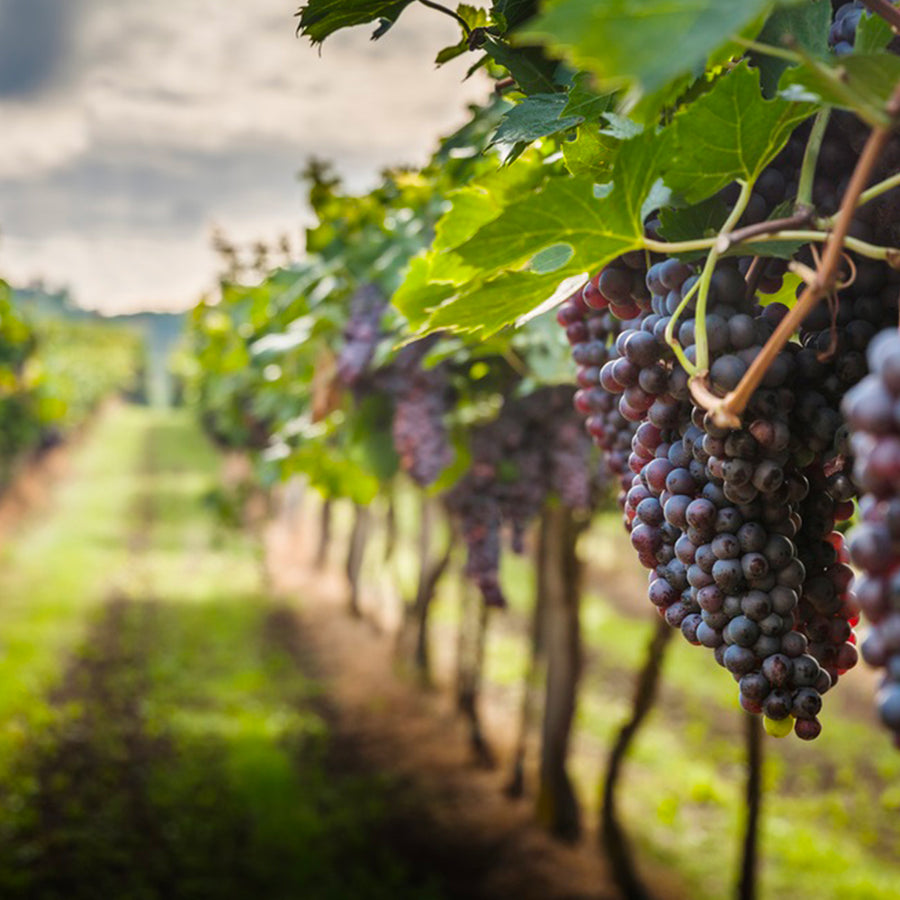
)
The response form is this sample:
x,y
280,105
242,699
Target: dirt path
x,y
455,813
446,811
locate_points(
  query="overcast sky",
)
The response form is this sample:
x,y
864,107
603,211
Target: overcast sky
x,y
132,127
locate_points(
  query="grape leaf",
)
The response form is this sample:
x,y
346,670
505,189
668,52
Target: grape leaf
x,y
514,12
471,209
451,52
862,82
488,307
805,26
484,199
424,288
565,211
872,34
703,219
620,127
648,42
786,294
571,220
584,101
568,210
591,152
436,276
321,18
731,132
474,17
780,249
532,72
535,117
551,258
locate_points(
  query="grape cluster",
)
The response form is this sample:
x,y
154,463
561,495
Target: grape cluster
x,y
872,411
834,337
361,334
718,514
844,139
591,333
741,527
422,399
535,447
842,34
621,286
420,395
828,609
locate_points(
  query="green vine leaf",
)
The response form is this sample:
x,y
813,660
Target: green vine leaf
x,y
568,211
861,82
487,307
474,17
804,26
732,132
422,292
321,18
570,226
537,116
532,72
485,198
564,212
643,42
872,34
778,249
513,12
437,276
703,219
620,127
584,101
451,52
591,152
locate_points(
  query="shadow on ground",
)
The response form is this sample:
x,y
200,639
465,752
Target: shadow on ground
x,y
188,757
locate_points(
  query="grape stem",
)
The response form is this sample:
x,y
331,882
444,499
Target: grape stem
x,y
769,50
727,240
877,189
671,340
811,159
886,10
891,255
863,248
753,276
727,411
448,12
672,247
515,362
836,76
700,338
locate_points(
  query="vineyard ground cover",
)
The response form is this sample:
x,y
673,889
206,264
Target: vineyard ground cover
x,y
839,808
389,723
157,707
158,736
162,733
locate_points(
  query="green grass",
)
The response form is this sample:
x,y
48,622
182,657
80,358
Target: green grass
x,y
58,570
159,738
